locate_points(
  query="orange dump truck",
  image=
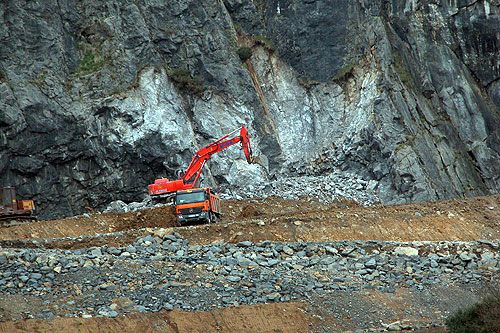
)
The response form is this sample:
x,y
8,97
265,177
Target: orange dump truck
x,y
198,204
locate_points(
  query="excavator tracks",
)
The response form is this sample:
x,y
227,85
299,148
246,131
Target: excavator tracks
x,y
9,221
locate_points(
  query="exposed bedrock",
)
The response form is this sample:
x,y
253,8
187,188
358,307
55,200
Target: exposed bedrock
x,y
99,99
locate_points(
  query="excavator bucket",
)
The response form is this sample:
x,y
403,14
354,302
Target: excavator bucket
x,y
245,143
262,161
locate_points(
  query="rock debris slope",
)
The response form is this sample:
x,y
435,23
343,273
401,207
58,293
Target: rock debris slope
x,y
156,273
98,99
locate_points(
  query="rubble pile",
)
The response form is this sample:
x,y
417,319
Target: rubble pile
x,y
333,186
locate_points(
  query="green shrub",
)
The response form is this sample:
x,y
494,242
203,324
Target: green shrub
x,y
3,76
237,27
182,79
244,53
403,72
92,60
482,317
90,63
266,42
344,71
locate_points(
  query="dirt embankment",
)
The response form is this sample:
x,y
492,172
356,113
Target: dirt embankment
x,y
91,224
285,317
277,219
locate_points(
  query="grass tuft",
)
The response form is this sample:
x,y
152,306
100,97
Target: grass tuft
x,y
344,71
266,42
403,72
183,80
244,53
92,61
482,317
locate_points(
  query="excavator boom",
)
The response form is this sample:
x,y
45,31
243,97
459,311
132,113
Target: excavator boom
x,y
164,186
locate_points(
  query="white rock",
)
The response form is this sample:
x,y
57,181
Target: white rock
x,y
395,326
406,250
88,263
117,206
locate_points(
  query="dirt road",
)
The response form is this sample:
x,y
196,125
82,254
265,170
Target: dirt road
x,y
277,219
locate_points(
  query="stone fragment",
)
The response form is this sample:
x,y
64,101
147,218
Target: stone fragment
x,y
406,251
331,250
372,263
287,250
465,257
96,252
362,272
395,326
488,259
272,262
36,276
233,278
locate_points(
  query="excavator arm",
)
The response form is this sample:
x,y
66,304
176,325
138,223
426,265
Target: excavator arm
x,y
206,152
165,187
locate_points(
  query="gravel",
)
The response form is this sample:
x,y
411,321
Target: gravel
x,y
157,273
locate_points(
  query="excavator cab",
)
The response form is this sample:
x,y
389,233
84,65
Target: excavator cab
x,y
13,211
8,200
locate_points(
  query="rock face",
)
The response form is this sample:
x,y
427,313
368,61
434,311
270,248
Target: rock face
x,y
99,99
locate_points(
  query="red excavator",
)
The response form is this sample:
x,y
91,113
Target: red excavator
x,y
194,204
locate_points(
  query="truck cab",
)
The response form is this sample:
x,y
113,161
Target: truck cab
x,y
198,204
